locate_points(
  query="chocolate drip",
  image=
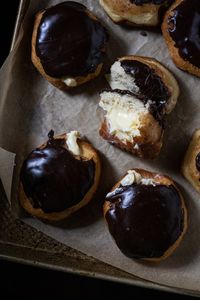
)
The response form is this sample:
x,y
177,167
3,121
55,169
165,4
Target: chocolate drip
x,y
198,162
184,29
151,86
69,42
145,220
53,179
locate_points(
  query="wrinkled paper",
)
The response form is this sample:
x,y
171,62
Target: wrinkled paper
x,y
30,107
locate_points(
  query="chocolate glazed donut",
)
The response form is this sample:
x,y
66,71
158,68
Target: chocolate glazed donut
x,y
181,30
54,181
68,42
184,28
73,53
160,209
146,218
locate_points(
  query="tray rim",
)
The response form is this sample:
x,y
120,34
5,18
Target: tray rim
x,y
135,281
138,282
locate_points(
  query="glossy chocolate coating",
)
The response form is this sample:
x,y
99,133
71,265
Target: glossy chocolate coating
x,y
141,2
53,179
151,86
184,29
145,220
197,160
69,43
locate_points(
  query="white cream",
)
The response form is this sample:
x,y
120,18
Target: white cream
x,y
71,82
113,193
72,142
134,177
148,181
130,178
119,79
123,114
136,147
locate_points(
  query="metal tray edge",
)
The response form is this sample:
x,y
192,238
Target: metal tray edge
x,y
138,282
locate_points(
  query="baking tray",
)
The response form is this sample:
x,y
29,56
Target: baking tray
x,y
21,243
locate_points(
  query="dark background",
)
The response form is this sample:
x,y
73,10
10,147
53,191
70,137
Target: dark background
x,y
8,17
25,282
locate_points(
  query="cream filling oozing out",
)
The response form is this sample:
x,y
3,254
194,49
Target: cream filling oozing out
x,y
72,142
133,177
123,114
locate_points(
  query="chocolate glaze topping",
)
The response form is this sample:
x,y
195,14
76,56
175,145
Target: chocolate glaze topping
x,y
145,220
151,86
141,2
53,179
69,42
198,162
184,29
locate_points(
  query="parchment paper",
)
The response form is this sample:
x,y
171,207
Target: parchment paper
x,y
30,107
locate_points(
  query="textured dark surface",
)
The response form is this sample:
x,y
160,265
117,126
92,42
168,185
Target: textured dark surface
x,y
57,285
